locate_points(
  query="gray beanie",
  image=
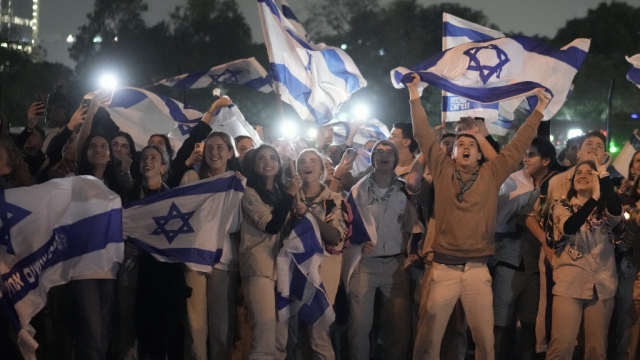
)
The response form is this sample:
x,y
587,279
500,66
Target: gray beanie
x,y
388,143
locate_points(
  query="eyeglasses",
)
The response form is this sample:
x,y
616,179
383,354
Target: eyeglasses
x,y
383,152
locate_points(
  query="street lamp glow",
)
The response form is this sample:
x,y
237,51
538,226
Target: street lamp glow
x,y
574,133
361,112
288,129
343,46
70,38
108,81
312,133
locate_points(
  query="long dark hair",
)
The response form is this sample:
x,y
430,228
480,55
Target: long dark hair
x,y
167,144
19,175
233,164
572,190
255,181
132,144
110,172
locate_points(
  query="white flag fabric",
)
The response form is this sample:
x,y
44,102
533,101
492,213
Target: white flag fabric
x,y
142,113
374,129
315,79
458,31
502,69
188,224
247,72
300,288
621,163
49,234
634,74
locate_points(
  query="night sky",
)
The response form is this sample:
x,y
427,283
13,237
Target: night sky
x,y
59,18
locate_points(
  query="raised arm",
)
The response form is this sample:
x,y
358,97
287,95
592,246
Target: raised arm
x,y
99,98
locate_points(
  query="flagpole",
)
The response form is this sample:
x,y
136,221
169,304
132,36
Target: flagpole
x,y
610,106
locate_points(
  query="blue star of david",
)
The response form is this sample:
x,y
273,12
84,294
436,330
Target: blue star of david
x,y
184,129
232,78
173,214
10,216
486,71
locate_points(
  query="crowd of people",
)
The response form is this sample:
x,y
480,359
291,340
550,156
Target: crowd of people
x,y
446,246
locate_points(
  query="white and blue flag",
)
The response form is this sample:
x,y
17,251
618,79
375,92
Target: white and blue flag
x,y
315,79
373,129
300,288
247,72
502,69
50,234
188,224
456,31
622,161
634,74
142,113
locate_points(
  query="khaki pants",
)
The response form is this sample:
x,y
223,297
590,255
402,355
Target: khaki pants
x,y
568,313
210,313
471,283
387,275
269,339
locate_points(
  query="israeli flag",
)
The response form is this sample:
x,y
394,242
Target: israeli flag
x,y
188,224
247,72
502,69
621,163
142,113
292,23
300,288
315,79
361,229
49,234
634,74
373,129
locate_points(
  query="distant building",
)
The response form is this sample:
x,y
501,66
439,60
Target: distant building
x,y
19,24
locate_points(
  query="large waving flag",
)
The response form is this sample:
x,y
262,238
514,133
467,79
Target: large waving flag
x,y
621,163
457,31
49,234
502,69
142,113
247,72
188,224
315,79
300,288
634,74
373,129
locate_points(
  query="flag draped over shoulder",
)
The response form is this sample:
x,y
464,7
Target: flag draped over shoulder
x,y
300,288
49,234
456,31
621,164
187,224
315,79
142,113
247,72
634,74
373,129
502,69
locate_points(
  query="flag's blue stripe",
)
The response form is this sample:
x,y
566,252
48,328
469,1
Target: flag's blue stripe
x,y
85,236
379,134
449,106
272,7
457,31
258,83
188,81
503,123
485,95
281,301
126,98
634,141
312,312
208,187
572,56
306,233
299,91
298,283
359,233
634,75
185,255
288,13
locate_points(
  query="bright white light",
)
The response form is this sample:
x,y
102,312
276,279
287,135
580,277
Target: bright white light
x,y
626,215
312,133
70,38
551,138
361,112
343,46
115,39
574,133
108,81
97,39
288,129
343,117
